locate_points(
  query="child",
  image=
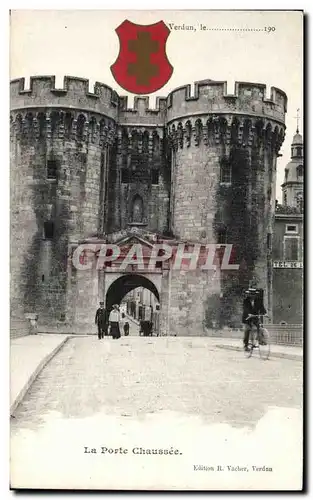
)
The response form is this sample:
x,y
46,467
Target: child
x,y
125,325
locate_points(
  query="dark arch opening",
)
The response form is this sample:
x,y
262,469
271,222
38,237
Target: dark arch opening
x,y
137,209
125,284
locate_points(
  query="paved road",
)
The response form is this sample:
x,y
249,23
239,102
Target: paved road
x,y
179,384
140,375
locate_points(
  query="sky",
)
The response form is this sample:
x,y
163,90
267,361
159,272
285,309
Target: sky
x,y
83,43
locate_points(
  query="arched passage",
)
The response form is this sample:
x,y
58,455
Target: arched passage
x,y
124,284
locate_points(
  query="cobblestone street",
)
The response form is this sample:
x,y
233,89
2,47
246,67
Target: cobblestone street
x,y
138,375
143,391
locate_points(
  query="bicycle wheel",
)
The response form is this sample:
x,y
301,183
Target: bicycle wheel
x,y
249,351
264,343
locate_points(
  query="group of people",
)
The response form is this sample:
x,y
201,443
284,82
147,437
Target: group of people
x,y
109,322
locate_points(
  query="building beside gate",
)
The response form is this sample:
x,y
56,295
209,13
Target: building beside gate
x,y
288,242
86,169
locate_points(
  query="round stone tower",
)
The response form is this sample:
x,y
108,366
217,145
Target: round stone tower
x,y
61,144
223,154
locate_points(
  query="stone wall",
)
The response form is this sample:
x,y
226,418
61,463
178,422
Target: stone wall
x,y
170,161
189,293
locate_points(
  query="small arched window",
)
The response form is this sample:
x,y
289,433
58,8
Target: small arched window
x,y
285,199
137,209
154,176
225,172
48,230
299,202
52,169
300,171
125,177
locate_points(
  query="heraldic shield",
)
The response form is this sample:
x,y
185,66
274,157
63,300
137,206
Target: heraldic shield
x,y
142,66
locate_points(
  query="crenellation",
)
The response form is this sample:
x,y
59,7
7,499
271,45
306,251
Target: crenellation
x,y
74,94
141,113
212,97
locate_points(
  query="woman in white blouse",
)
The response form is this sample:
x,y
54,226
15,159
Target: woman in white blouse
x,y
114,320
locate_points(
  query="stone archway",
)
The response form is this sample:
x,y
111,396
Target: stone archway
x,y
126,283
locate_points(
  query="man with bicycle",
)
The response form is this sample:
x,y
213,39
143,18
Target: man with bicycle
x,y
252,307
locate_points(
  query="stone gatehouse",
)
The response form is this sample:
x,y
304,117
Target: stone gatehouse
x,y
200,169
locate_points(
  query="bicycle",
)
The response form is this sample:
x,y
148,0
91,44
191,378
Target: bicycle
x,y
259,338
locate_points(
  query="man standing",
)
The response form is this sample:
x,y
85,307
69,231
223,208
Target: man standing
x,y
156,318
100,320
